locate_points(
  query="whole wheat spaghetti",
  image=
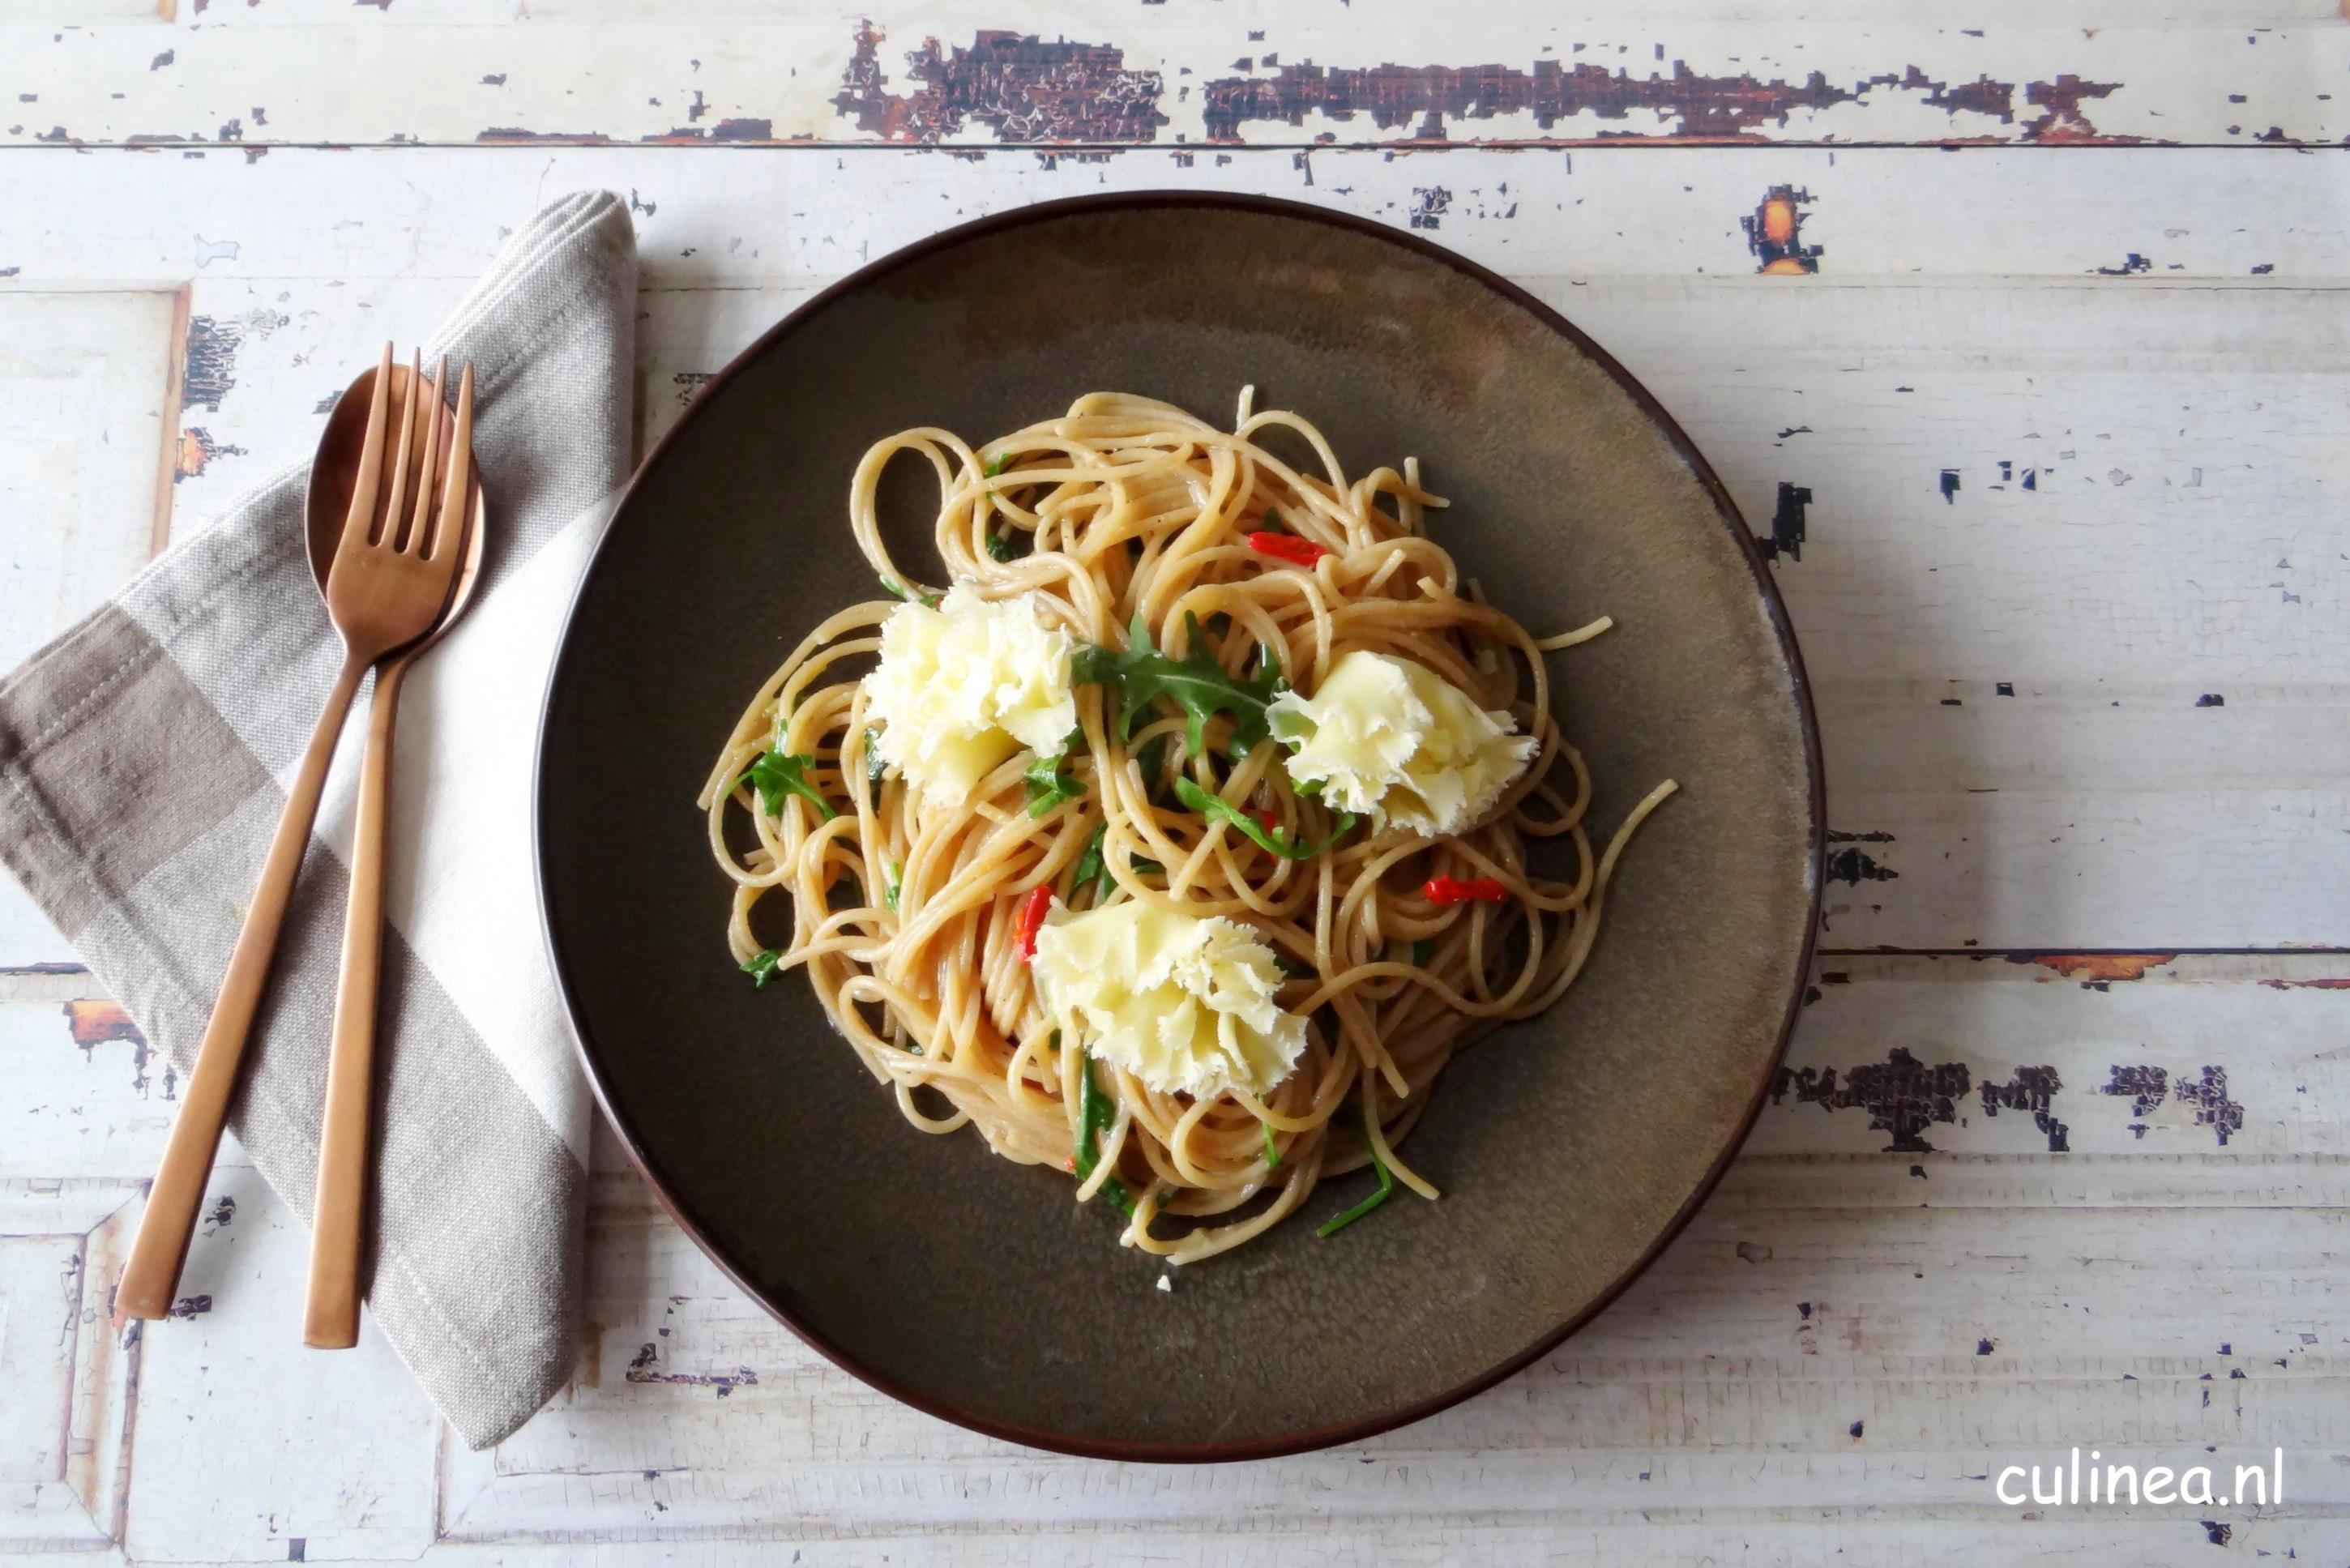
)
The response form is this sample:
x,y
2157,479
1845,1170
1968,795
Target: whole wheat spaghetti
x,y
1128,519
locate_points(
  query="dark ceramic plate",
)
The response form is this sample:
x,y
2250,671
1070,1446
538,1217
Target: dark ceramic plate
x,y
1569,1148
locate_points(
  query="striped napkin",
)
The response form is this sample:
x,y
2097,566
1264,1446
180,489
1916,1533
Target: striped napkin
x,y
141,756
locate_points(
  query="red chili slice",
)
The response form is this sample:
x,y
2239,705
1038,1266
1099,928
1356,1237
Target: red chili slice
x,y
1288,547
1445,890
1031,920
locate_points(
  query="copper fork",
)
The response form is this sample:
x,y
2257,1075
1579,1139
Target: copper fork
x,y
389,583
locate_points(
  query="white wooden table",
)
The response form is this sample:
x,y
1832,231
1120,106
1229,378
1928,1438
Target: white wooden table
x,y
2048,420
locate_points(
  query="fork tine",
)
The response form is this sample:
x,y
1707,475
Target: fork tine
x,y
396,508
428,467
361,515
455,513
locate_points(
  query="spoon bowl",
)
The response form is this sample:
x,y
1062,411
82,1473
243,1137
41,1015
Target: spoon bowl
x,y
334,474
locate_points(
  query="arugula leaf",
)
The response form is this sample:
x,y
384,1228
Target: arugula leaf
x,y
1273,523
1049,781
1272,1150
1332,1226
998,547
1003,460
1422,951
1152,761
1216,808
1094,1119
1295,968
889,893
778,774
1196,683
1093,866
900,591
763,969
1095,1114
1309,788
874,768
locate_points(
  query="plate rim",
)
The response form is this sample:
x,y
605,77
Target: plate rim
x,y
1136,1451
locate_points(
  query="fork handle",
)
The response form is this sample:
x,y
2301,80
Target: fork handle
x,y
330,1314
151,1277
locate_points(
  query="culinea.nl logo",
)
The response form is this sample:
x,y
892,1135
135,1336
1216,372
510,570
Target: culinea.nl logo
x,y
2089,1480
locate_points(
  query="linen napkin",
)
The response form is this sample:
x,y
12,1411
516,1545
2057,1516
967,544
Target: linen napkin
x,y
141,755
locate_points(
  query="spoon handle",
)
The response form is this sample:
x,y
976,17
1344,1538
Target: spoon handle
x,y
151,1277
330,1314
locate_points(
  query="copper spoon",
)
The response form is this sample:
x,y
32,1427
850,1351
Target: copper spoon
x,y
384,590
330,1317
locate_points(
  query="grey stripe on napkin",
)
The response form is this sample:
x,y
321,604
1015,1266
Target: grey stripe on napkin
x,y
140,760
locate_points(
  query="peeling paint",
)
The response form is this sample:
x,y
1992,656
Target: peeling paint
x,y
645,1369
1022,90
1902,1095
2328,983
94,1022
1774,233
2106,967
2145,1087
196,450
1857,867
2031,1089
499,134
1693,106
2209,1097
1787,524
210,369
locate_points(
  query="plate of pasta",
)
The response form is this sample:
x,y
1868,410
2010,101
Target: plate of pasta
x,y
1178,827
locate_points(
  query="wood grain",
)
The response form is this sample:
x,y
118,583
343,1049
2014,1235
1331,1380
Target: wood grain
x,y
1060,74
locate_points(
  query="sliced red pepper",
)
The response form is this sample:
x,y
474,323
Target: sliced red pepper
x,y
1031,920
1442,890
1266,819
1287,546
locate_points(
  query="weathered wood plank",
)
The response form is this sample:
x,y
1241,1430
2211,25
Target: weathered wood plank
x,y
84,431
799,218
67,1376
959,73
333,1451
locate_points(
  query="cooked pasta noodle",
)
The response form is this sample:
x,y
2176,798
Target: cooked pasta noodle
x,y
905,912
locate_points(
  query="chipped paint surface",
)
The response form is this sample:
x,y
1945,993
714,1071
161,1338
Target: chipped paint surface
x,y
1022,90
1429,101
2032,1090
196,450
1774,233
1788,525
645,1367
2101,967
1902,1095
211,369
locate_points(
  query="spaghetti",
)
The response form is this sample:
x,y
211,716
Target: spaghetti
x,y
1128,519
